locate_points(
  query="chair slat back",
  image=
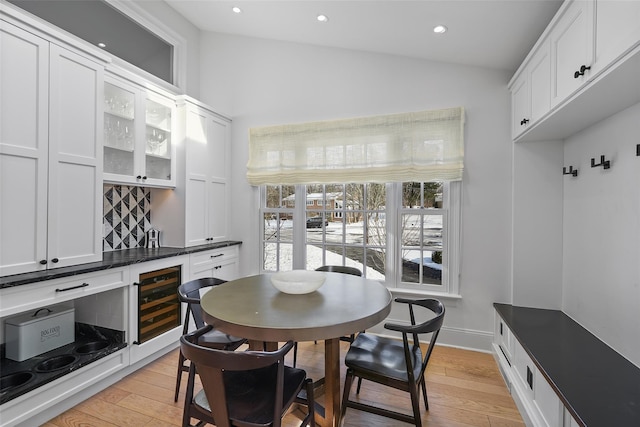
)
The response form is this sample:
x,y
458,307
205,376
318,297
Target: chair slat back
x,y
189,292
431,326
340,269
212,363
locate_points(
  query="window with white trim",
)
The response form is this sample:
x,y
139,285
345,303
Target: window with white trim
x,y
399,223
403,234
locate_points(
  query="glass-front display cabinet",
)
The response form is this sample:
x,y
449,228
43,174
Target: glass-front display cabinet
x,y
138,144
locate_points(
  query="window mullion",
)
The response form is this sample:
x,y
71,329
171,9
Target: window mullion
x,y
393,227
299,228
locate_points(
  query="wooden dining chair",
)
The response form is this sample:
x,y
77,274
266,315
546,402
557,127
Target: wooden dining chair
x,y
189,293
242,388
335,269
394,363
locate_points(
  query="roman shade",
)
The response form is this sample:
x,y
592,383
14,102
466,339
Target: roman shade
x,y
417,146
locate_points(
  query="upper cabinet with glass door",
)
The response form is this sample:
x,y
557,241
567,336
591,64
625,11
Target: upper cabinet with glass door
x,y
138,144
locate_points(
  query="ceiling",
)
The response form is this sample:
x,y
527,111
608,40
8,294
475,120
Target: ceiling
x,y
494,34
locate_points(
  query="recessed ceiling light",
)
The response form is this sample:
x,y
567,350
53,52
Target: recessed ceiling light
x,y
236,9
439,29
322,18
102,45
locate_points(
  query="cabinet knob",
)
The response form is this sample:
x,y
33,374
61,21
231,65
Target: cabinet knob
x,y
524,122
54,260
581,71
43,261
144,177
139,177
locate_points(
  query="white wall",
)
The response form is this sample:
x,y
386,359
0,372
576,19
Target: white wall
x,y
601,278
259,82
537,224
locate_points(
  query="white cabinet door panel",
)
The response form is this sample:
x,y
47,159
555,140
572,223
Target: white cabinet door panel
x,y
196,227
24,83
617,30
520,112
547,402
539,71
75,159
571,48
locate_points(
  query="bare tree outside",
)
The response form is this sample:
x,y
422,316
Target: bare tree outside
x,y
347,223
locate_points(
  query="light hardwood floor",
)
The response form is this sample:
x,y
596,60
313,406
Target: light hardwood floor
x,y
464,388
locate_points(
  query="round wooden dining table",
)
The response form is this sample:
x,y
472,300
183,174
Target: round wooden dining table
x,y
251,307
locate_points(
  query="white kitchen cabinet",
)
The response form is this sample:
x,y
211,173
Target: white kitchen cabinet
x,y
547,402
39,405
531,91
197,212
594,62
539,404
520,107
524,369
617,30
139,146
50,153
19,299
571,49
219,263
504,339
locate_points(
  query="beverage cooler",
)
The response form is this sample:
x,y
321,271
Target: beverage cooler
x,y
156,313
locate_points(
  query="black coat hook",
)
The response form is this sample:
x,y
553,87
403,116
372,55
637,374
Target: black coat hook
x,y
571,171
606,164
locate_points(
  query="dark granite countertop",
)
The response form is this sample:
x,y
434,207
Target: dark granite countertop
x,y
596,384
112,259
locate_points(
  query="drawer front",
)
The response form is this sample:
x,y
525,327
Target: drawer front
x,y
28,297
503,337
210,258
201,262
547,402
525,369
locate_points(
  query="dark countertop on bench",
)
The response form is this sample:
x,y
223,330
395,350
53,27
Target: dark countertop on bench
x,y
111,259
598,386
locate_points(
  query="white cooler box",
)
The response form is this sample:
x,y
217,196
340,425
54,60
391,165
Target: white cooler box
x,y
31,334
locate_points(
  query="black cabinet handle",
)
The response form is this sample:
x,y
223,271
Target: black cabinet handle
x,y
581,71
43,261
139,177
216,255
84,285
55,260
524,122
530,378
144,177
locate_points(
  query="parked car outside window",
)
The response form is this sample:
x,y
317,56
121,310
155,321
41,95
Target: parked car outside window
x,y
316,222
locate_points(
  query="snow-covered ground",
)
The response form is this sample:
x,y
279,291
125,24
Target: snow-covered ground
x,y
314,259
353,233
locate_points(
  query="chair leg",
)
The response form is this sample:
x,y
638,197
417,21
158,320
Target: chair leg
x,y
415,404
186,413
179,376
424,394
348,381
311,404
359,385
295,353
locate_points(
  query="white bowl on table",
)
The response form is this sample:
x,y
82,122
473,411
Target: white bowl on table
x,y
298,281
